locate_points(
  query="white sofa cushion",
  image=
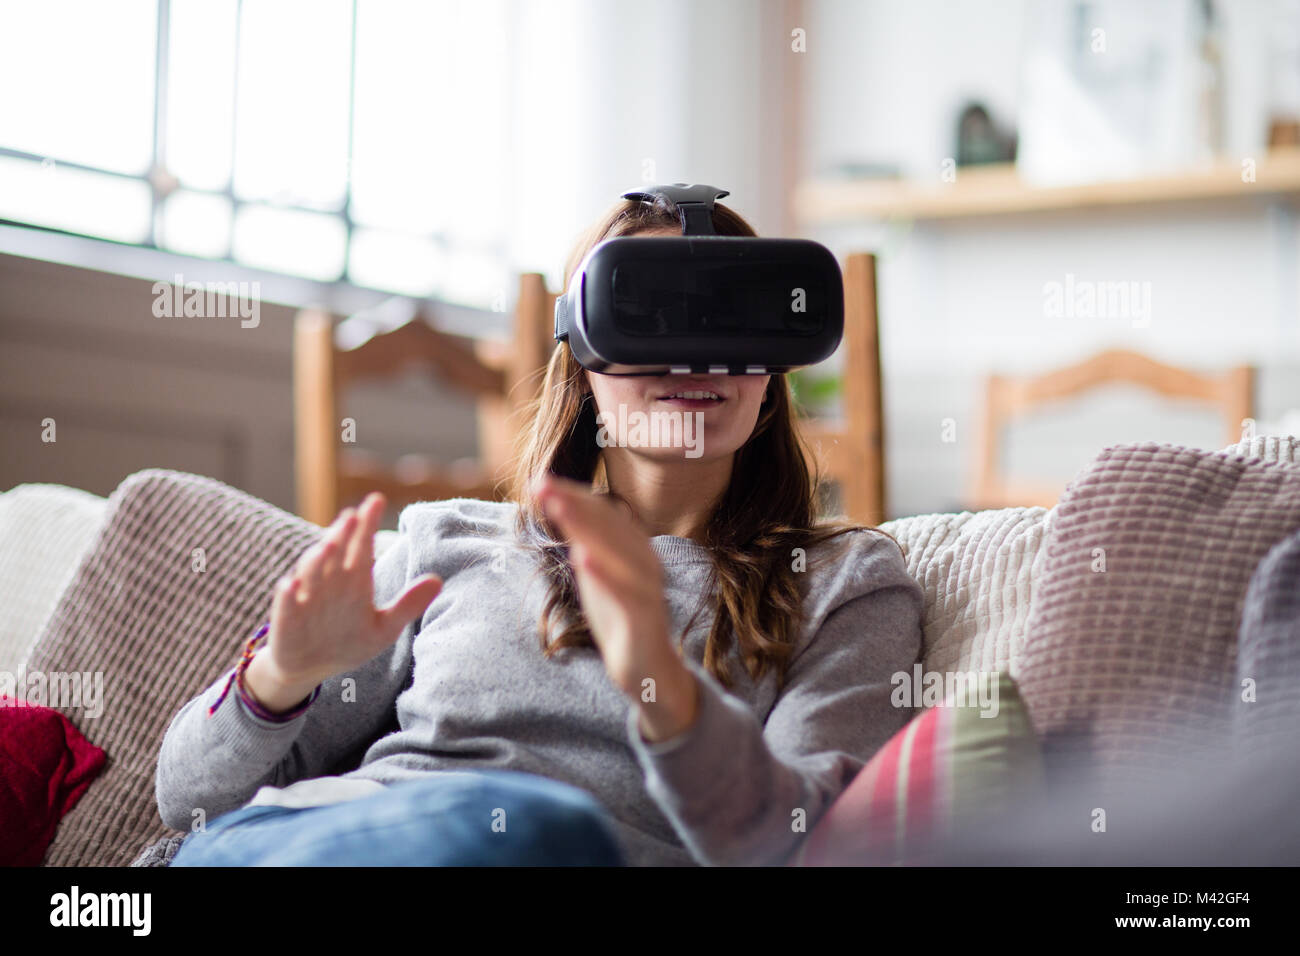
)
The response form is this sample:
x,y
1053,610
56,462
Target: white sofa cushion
x,y
976,569
1281,448
44,531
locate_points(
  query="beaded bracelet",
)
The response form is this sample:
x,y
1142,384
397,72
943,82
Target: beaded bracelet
x,y
237,678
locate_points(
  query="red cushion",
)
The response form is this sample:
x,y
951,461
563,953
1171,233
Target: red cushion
x,y
45,767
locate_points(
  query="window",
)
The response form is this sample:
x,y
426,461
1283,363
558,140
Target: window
x,y
339,140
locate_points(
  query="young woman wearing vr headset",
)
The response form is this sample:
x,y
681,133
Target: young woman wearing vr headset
x,y
639,658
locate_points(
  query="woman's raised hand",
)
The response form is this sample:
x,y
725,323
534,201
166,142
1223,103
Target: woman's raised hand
x,y
323,618
621,588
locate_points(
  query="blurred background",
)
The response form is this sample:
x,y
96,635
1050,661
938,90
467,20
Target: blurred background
x,y
1040,183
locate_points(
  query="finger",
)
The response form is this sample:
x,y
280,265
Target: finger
x,y
617,577
551,487
311,556
550,480
412,603
565,498
596,523
361,546
304,561
310,572
284,602
339,536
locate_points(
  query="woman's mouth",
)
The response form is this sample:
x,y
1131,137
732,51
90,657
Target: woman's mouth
x,y
693,398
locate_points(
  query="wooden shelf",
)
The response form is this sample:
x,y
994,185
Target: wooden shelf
x,y
996,190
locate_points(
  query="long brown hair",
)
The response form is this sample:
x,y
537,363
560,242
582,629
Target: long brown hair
x,y
767,511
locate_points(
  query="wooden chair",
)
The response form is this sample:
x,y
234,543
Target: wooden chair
x,y
851,450
1008,398
500,375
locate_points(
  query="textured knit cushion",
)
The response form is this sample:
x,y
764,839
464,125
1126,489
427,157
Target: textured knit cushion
x,y
1283,448
949,767
1268,645
44,532
977,570
160,631
1129,661
45,767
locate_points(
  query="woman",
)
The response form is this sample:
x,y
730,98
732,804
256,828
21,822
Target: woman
x,y
642,657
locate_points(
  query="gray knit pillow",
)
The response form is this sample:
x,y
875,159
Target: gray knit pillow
x,y
1267,703
1129,659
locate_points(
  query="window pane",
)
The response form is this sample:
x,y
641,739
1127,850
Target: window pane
x,y
197,224
286,240
431,139
201,92
397,263
93,204
474,278
77,81
292,116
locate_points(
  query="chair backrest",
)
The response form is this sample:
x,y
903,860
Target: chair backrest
x,y
1007,398
502,376
852,450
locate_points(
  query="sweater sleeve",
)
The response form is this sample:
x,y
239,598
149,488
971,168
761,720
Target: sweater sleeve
x,y
733,788
217,763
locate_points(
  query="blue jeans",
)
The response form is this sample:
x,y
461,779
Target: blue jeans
x,y
451,818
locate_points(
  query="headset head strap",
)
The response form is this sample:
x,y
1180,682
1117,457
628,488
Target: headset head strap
x,y
694,204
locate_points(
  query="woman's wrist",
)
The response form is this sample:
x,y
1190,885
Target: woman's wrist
x,y
674,705
269,689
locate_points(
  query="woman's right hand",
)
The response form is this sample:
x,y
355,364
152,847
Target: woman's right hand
x,y
323,618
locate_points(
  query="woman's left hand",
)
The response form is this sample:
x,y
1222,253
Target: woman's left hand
x,y
621,588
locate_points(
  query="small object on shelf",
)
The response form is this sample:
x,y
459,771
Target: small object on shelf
x,y
980,140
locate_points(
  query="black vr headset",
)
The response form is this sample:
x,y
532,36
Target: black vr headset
x,y
700,302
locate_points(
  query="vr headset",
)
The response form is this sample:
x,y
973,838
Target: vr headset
x,y
700,302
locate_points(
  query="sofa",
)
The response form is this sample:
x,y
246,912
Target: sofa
x,y
1146,557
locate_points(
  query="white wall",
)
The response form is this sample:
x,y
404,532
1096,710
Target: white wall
x,y
959,299
614,94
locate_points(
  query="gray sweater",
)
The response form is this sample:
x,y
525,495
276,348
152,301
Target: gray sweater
x,y
467,687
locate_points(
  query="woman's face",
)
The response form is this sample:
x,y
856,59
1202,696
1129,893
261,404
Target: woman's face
x,y
673,428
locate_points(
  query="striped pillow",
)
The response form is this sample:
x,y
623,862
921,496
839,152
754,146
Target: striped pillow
x,y
948,766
